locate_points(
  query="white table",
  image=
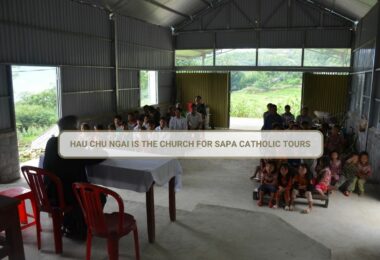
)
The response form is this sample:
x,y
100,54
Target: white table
x,y
140,175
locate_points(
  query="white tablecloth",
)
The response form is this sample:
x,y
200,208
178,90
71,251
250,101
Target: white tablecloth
x,y
135,174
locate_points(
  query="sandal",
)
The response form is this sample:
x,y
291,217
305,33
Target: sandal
x,y
259,203
306,211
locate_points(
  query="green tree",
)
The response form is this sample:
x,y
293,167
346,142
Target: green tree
x,y
39,110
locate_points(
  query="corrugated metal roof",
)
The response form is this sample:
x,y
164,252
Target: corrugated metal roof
x,y
173,12
356,9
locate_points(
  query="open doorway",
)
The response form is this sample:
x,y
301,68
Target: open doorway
x,y
36,108
251,91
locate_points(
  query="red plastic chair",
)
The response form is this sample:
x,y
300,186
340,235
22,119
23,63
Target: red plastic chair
x,y
112,226
35,178
22,194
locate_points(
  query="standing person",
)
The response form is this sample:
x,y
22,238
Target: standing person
x,y
287,117
304,117
68,171
194,119
201,108
272,118
364,172
269,105
178,122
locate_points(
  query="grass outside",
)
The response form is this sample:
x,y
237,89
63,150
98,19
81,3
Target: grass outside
x,y
251,103
25,140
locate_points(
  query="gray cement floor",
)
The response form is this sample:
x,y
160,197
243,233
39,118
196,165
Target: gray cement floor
x,y
350,227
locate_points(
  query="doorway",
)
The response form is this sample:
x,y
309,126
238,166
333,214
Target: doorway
x,y
35,94
251,91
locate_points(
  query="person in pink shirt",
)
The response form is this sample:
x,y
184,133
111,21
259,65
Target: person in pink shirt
x,y
323,184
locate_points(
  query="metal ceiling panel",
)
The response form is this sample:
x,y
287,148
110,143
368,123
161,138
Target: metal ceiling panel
x,y
172,12
356,9
160,12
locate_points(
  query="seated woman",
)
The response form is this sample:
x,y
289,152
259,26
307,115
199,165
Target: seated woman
x,y
68,171
302,185
268,183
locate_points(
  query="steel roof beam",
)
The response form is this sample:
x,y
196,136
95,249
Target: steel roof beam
x,y
162,6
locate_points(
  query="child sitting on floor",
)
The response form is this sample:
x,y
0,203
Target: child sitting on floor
x,y
302,184
323,182
284,182
268,183
335,167
364,172
349,171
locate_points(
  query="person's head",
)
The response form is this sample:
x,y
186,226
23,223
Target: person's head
x,y
198,99
334,155
274,108
117,120
284,169
305,111
270,166
162,122
193,108
178,112
354,158
140,120
111,127
146,119
269,106
287,109
85,127
146,109
151,125
131,117
68,123
303,169
291,124
98,127
171,110
335,130
363,158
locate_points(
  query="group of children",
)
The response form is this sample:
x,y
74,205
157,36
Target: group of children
x,y
285,179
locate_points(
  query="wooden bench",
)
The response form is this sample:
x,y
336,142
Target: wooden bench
x,y
315,195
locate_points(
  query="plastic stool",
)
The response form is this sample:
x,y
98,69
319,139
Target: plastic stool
x,y
22,194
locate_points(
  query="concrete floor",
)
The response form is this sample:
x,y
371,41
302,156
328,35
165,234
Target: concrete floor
x,y
350,227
